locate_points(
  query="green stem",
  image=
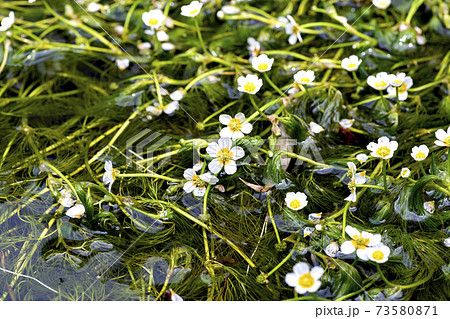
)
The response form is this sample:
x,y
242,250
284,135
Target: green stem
x,y
398,100
158,89
289,154
355,293
355,77
200,38
448,161
273,220
417,283
384,175
344,218
383,101
422,169
156,176
252,100
53,168
371,186
272,84
218,112
282,262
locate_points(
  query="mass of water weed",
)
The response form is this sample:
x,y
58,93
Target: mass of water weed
x,y
224,150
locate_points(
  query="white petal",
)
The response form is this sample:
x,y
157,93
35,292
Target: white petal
x,y
225,142
199,192
375,240
238,152
231,168
441,134
352,231
361,253
301,268
226,132
317,272
240,116
291,279
224,119
292,39
189,173
214,166
347,247
189,187
212,149
315,286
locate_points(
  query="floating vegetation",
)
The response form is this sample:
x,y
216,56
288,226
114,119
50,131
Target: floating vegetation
x,y
224,150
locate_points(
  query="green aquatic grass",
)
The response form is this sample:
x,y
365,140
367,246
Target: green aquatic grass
x,y
66,108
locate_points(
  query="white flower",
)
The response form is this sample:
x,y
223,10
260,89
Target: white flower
x,y
379,82
197,183
332,249
174,296
351,63
167,46
262,63
7,22
110,175
315,217
66,198
93,7
303,279
443,137
397,79
308,231
355,179
402,90
315,128
76,211
162,36
153,18
235,127
346,123
419,153
224,156
362,158
379,253
249,84
383,149
318,227
253,46
230,9
447,242
429,207
144,47
405,172
296,201
31,1
359,242
293,30
191,10
157,109
122,64
119,29
304,77
381,4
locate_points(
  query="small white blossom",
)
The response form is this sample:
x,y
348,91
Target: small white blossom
x,y
443,137
296,201
162,36
262,63
191,10
351,63
66,198
355,179
167,46
235,127
315,128
314,217
379,253
332,249
405,172
447,242
197,183
224,156
308,231
230,9
293,30
76,211
174,296
346,123
419,153
7,22
429,207
379,82
381,4
303,279
153,18
384,149
110,174
119,29
93,7
304,77
396,79
402,90
122,64
254,47
359,242
362,158
250,84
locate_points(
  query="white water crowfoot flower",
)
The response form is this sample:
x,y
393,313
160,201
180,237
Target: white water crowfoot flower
x,y
191,10
351,63
315,128
254,47
447,242
122,64
384,149
293,30
419,153
224,156
76,211
362,158
7,22
296,201
332,249
359,242
381,4
396,79
236,127
66,198
443,137
405,172
429,207
402,89
379,82
153,18
262,63
304,77
378,254
303,279
355,179
110,175
197,183
250,84
346,123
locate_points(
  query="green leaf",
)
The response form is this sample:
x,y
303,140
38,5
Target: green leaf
x,y
274,170
347,280
86,200
415,198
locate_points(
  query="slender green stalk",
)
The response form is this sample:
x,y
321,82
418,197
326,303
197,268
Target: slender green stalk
x,y
53,168
371,186
252,100
448,161
293,155
422,169
384,175
417,283
344,218
156,176
398,100
273,220
383,101
282,262
272,84
355,77
200,38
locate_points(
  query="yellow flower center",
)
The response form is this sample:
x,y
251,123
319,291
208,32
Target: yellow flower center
x,y
235,125
447,141
351,65
263,67
295,204
197,181
383,151
380,84
224,156
404,173
420,155
306,280
113,173
193,12
305,80
402,88
249,87
359,242
153,21
378,255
